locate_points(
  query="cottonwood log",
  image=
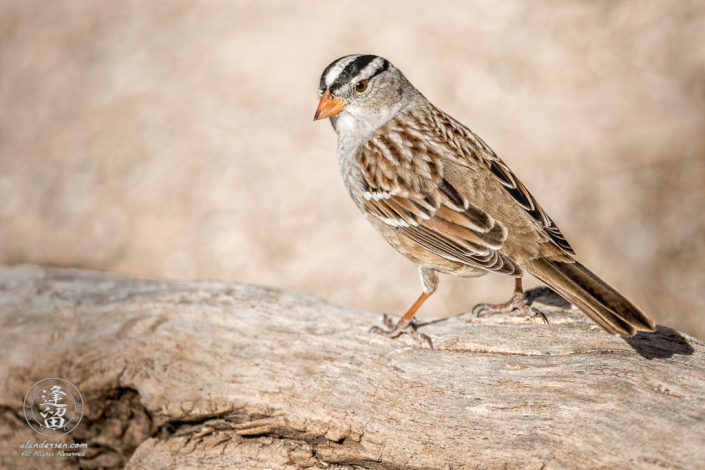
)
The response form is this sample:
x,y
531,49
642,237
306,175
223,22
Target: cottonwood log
x,y
195,375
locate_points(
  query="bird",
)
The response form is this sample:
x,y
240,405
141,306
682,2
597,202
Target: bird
x,y
441,197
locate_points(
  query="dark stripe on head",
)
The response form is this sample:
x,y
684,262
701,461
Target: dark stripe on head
x,y
352,70
343,70
383,68
322,84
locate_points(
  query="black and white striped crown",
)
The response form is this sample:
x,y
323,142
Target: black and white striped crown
x,y
348,68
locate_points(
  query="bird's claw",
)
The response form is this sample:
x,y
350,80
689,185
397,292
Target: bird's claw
x,y
395,330
481,310
387,320
516,303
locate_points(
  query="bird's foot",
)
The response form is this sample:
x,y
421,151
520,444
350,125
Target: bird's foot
x,y
517,302
401,327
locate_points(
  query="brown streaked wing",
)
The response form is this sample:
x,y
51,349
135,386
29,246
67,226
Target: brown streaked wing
x,y
427,209
438,244
477,150
523,197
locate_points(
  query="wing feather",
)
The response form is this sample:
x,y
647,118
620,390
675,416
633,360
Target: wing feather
x,y
427,209
404,187
523,197
474,148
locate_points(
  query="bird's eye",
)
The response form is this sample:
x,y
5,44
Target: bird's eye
x,y
361,86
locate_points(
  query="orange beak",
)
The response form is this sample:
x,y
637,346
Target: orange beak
x,y
329,106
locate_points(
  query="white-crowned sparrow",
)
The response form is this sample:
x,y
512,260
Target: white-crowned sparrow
x,y
440,196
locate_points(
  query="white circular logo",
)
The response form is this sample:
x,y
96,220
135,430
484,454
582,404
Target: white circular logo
x,y
53,407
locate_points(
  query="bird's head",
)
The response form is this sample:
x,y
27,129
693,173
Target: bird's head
x,y
366,90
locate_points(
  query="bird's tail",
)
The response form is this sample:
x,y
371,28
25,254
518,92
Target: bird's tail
x,y
604,305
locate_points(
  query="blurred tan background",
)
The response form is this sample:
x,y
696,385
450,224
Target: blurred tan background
x,y
174,139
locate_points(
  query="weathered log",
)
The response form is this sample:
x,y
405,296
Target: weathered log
x,y
222,375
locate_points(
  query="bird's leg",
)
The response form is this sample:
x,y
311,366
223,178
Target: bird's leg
x,y
515,303
406,324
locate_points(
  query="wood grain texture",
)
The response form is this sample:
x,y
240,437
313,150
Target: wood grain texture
x,y
188,375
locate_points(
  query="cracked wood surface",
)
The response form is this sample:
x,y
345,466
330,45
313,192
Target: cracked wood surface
x,y
189,375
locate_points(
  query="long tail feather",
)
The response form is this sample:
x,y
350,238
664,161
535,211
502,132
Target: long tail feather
x,y
604,305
